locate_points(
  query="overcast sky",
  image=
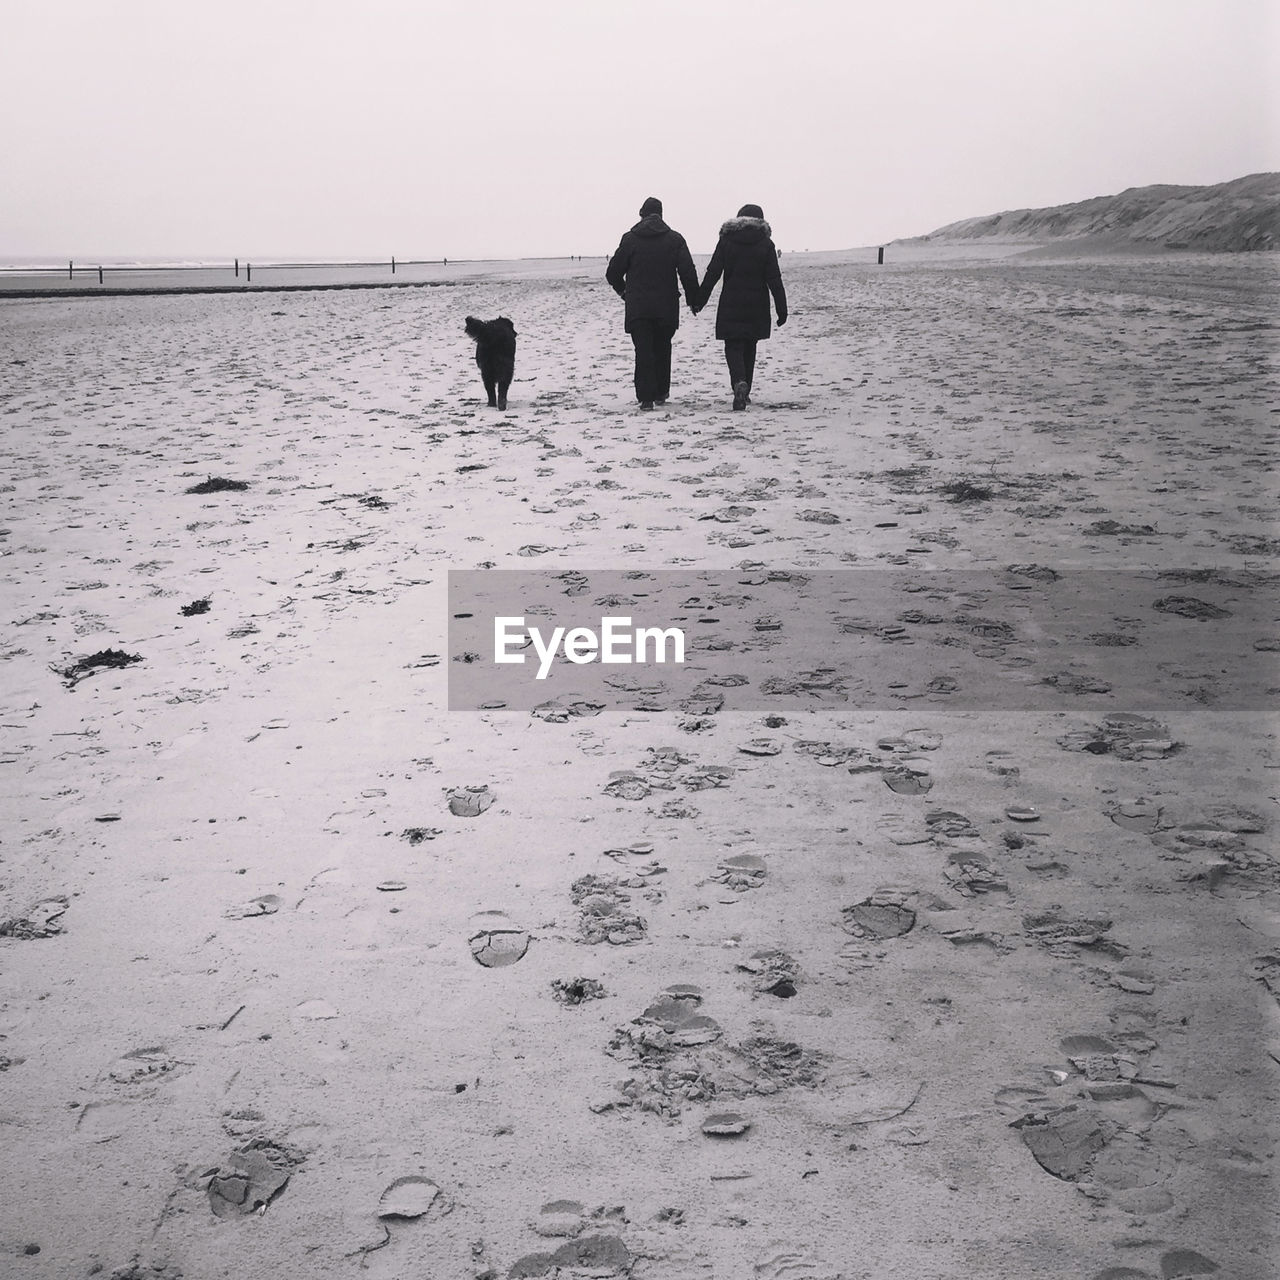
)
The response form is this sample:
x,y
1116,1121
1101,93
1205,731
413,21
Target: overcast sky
x,y
515,128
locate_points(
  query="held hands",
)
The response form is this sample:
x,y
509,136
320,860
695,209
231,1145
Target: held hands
x,y
782,319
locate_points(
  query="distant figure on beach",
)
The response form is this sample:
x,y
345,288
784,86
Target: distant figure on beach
x,y
746,257
647,269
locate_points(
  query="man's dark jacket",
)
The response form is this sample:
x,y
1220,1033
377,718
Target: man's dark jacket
x,y
644,269
746,256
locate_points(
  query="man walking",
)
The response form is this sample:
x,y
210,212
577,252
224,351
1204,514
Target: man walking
x,y
647,270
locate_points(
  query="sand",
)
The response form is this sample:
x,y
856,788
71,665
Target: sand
x,y
957,975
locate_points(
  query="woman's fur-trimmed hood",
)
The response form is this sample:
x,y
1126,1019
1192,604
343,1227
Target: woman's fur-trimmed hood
x,y
746,229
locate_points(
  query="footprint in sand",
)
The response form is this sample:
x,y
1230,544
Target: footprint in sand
x,y
560,1218
1066,936
603,912
725,1124
1076,682
765,1064
469,802
1137,814
705,777
701,705
496,941
741,871
1021,1099
657,1045
885,914
408,1197
594,1255
831,754
947,824
971,874
626,784
145,1066
561,711
1220,831
675,1011
41,920
266,904
920,740
907,782
772,973
252,1177
573,991
1124,735
1100,1140
1064,1140
1130,1163
1178,1263
790,1261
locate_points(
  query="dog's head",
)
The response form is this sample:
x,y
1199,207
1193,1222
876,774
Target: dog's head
x,y
488,330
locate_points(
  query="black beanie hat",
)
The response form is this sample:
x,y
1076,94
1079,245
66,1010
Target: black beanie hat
x,y
751,211
651,205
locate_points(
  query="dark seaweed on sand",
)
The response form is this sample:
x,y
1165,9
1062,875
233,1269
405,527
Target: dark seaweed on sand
x,y
965,491
216,484
196,606
104,659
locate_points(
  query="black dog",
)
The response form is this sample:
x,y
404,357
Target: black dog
x,y
495,354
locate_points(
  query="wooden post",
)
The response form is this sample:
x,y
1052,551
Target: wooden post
x,y
237,268
393,264
248,272
71,268
99,275
880,256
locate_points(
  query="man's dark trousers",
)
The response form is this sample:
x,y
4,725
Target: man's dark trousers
x,y
652,339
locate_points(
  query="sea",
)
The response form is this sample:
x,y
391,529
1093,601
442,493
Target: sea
x,y
35,277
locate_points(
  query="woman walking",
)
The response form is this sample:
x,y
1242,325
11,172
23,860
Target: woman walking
x,y
746,257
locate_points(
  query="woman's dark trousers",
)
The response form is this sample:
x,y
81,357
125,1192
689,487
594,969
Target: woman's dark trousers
x,y
740,356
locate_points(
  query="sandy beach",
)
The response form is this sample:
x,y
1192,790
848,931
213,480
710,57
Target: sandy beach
x,y
956,954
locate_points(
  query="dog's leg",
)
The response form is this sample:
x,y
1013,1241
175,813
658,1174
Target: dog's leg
x,y
490,388
506,371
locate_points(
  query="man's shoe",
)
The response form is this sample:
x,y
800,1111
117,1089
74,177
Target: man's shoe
x,y
646,404
661,400
739,395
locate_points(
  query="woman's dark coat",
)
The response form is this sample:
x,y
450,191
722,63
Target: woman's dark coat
x,y
644,269
747,258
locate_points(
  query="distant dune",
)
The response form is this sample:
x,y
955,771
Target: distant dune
x,y
1243,214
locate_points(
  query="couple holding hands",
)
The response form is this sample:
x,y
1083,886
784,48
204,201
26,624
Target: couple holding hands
x,y
651,264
